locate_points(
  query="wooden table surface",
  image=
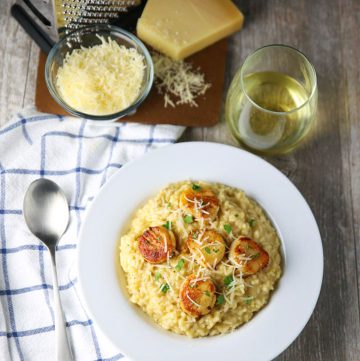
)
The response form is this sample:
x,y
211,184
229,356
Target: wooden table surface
x,y
326,169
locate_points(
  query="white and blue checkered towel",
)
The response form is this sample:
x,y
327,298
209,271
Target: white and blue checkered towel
x,y
80,157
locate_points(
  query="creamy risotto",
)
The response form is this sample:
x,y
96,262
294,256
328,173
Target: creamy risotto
x,y
200,259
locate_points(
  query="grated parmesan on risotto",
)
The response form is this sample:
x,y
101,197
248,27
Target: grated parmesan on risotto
x,y
155,288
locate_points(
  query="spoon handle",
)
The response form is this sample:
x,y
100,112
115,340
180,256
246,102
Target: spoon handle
x,y
62,347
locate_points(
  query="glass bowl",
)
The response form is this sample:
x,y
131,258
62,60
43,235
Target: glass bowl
x,y
88,37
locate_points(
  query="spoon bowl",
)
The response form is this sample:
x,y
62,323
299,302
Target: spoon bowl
x,y
46,211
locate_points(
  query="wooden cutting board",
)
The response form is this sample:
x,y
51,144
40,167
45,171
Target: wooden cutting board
x,y
211,61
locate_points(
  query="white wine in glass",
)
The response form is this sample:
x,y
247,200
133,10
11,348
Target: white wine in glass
x,y
271,104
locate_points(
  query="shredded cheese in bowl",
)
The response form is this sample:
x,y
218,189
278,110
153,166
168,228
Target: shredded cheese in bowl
x,y
101,80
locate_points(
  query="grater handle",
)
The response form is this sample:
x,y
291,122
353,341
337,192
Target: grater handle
x,y
32,29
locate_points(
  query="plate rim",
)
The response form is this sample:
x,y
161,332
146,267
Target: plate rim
x,y
153,153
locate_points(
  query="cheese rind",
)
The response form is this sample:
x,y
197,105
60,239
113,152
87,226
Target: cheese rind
x,y
179,28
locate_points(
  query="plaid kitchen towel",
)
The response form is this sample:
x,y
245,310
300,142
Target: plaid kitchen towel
x,y
80,157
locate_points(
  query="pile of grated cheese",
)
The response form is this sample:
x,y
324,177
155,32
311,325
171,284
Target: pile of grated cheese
x,y
101,80
178,81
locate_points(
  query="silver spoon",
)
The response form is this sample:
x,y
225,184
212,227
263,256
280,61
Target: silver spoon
x,y
46,213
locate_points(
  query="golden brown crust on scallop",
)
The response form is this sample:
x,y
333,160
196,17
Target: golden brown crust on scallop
x,y
249,255
197,295
156,244
202,203
208,247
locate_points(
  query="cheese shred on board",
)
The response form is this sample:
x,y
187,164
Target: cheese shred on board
x,y
101,80
178,81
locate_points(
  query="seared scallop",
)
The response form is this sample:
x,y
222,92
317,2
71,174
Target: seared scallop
x,y
157,244
208,247
248,255
197,295
199,202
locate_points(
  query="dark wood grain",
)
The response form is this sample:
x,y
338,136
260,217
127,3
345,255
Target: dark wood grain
x,y
326,169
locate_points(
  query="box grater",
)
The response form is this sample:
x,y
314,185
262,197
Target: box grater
x,y
54,18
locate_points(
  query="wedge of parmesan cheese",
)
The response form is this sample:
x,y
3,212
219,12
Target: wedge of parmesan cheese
x,y
179,28
101,80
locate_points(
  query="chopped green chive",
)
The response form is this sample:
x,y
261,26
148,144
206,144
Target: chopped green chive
x,y
207,250
254,256
220,300
207,293
169,205
188,219
228,280
157,276
228,228
248,300
180,265
195,187
164,287
252,222
167,225
216,250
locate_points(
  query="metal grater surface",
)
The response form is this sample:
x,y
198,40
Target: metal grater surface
x,y
72,14
58,17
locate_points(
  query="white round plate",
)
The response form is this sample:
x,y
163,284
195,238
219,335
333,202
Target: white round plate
x,y
274,328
